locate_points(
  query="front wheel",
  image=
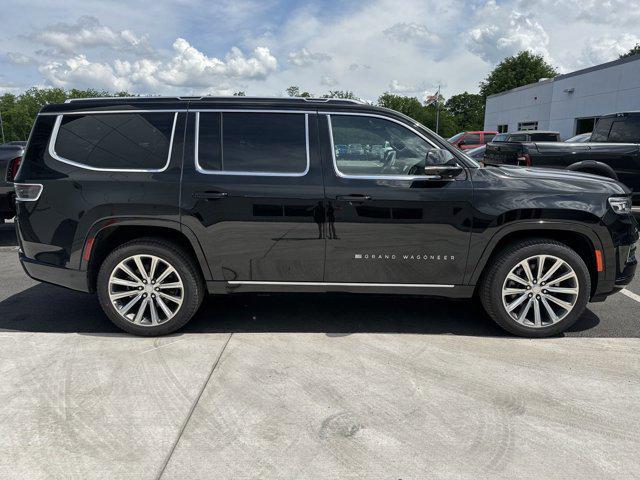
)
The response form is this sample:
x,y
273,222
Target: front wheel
x,y
536,288
149,287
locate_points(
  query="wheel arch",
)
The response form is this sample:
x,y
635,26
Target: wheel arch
x,y
590,166
579,237
106,235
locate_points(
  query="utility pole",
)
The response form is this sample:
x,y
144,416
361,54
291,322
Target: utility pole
x,y
1,127
438,110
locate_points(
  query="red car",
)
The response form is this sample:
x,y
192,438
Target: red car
x,y
466,140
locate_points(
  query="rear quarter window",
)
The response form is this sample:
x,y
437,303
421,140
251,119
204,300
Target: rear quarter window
x,y
115,141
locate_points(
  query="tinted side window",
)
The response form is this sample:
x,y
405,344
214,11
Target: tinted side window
x,y
253,143
601,132
472,139
544,137
625,130
374,146
517,138
116,141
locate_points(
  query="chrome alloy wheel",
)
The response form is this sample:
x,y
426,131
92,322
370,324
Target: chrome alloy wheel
x,y
146,290
540,291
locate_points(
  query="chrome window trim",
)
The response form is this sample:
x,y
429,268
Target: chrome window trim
x,y
54,138
340,284
376,177
95,112
205,171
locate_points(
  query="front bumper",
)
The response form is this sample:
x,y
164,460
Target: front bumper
x,y
65,277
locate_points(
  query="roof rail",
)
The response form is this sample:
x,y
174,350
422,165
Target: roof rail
x,y
151,97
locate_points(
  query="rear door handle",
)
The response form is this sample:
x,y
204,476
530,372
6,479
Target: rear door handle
x,y
354,198
210,195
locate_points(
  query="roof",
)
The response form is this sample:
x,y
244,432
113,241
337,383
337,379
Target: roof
x,y
533,131
181,103
595,68
235,98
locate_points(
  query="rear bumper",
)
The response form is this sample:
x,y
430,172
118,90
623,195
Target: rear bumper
x,y
65,277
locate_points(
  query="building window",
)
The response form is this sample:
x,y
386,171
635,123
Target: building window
x,y
503,128
527,126
585,125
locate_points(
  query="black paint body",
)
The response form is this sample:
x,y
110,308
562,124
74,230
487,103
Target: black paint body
x,y
314,232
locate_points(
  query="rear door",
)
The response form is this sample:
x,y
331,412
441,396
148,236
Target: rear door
x,y
388,223
253,193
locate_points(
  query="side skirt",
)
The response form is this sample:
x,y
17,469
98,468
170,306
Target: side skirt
x,y
448,291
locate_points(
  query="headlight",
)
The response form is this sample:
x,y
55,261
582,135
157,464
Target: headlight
x,y
620,205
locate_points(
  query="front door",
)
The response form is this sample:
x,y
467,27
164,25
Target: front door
x,y
388,223
253,194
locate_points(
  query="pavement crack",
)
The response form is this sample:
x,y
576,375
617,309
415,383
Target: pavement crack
x,y
192,409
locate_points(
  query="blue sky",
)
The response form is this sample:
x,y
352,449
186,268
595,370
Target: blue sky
x,y
263,46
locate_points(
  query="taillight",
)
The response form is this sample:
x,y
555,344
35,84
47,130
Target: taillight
x,y
27,192
524,159
12,169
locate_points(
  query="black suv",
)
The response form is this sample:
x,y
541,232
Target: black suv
x,y
151,203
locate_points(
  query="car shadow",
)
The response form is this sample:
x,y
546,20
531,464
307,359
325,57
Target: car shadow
x,y
8,235
47,308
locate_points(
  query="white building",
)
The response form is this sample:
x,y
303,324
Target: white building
x,y
568,103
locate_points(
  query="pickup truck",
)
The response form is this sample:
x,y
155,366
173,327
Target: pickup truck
x,y
10,156
613,151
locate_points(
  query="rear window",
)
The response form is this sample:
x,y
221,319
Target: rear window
x,y
116,141
601,132
625,130
544,137
252,143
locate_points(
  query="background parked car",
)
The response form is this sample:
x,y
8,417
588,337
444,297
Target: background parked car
x,y
468,140
580,138
476,153
10,158
613,151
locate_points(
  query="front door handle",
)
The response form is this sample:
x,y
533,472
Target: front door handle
x,y
210,195
354,198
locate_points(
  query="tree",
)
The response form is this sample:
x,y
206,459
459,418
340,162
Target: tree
x,y
340,94
294,91
634,51
19,111
516,71
468,111
426,115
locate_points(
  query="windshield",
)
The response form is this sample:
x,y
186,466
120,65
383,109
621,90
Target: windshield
x,y
501,137
456,137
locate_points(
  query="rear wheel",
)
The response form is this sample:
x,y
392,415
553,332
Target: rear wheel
x,y
536,288
149,287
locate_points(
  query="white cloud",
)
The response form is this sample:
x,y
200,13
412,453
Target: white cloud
x,y
188,68
416,33
304,57
607,48
17,58
608,12
505,32
88,32
328,81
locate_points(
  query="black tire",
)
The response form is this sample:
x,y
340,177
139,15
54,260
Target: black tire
x,y
490,291
193,283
